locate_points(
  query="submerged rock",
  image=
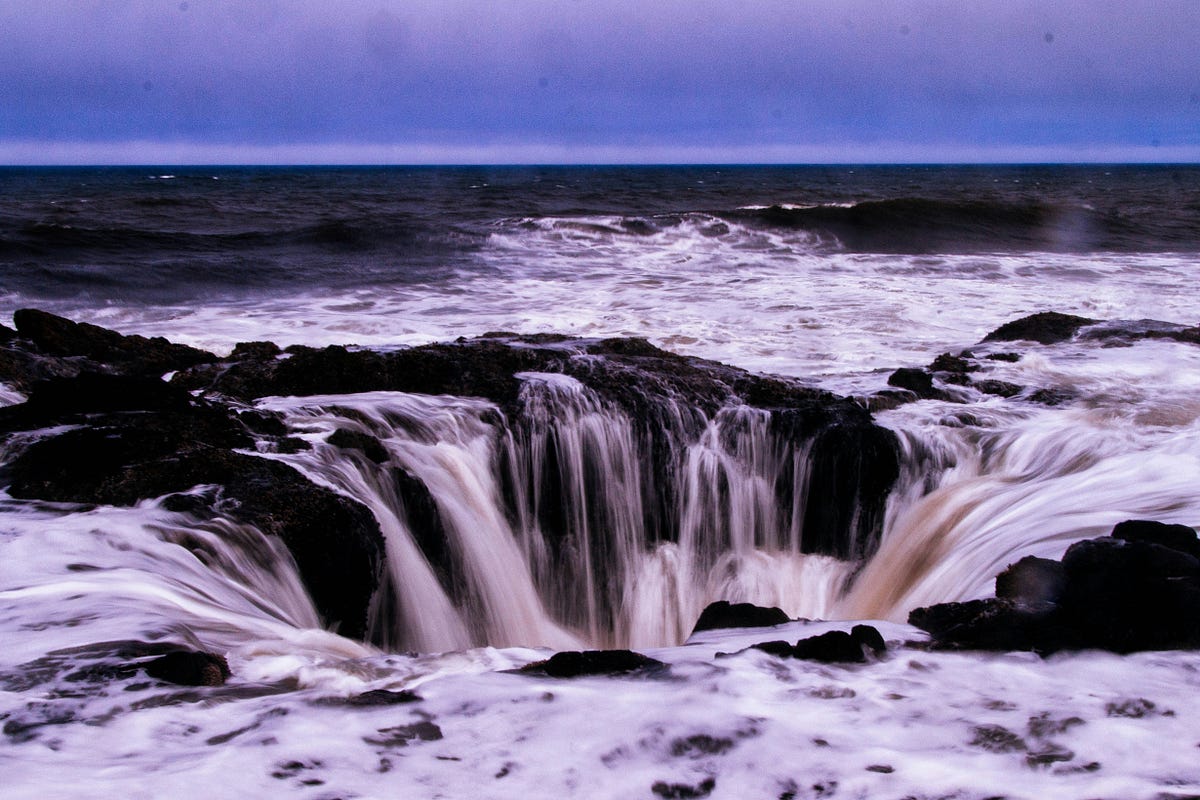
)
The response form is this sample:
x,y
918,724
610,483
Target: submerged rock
x,y
832,647
189,668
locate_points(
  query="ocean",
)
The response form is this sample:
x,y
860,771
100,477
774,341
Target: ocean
x,y
835,276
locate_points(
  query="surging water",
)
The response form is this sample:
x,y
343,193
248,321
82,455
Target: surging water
x,y
540,534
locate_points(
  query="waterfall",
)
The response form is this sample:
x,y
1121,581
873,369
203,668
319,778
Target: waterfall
x,y
546,526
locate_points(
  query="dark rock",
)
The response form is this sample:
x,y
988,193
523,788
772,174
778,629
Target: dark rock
x,y
1032,580
832,647
136,355
58,398
998,388
1116,594
254,350
1132,595
574,664
1052,396
6,334
402,735
189,668
383,697
988,624
1011,358
365,443
953,364
997,739
683,791
917,381
723,614
1047,327
124,458
1176,537
868,636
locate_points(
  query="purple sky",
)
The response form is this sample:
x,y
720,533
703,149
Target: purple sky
x,y
299,81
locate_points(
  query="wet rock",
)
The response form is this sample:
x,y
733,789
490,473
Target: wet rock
x,y
1032,580
917,381
123,458
574,664
955,365
997,739
403,735
189,668
59,399
1111,593
1047,327
135,355
1176,537
368,445
832,647
998,388
723,614
254,350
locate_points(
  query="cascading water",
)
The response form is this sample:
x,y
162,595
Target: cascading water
x,y
540,532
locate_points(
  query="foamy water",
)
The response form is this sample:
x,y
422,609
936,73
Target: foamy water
x,y
983,483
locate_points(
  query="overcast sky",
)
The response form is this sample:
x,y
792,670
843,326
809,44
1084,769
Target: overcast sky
x,y
254,81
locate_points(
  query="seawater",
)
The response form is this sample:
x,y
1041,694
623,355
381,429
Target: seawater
x,y
836,275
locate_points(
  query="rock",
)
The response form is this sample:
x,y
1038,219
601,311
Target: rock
x,y
122,458
832,647
723,614
574,664
917,381
368,445
6,334
1032,580
1047,327
1176,537
59,399
953,364
254,350
1117,594
134,355
189,668
1131,595
987,624
998,388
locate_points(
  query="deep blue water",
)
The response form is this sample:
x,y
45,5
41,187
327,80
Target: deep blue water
x,y
180,234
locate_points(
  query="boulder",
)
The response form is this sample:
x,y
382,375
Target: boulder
x,y
723,614
1122,594
574,664
1047,327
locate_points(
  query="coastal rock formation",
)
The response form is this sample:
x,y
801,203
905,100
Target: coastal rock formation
x,y
723,614
1138,589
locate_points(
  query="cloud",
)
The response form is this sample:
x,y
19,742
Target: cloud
x,y
416,76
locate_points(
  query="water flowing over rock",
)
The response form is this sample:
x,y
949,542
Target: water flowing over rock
x,y
1136,590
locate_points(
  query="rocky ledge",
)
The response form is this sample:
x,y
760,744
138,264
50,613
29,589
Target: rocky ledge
x,y
1138,589
101,426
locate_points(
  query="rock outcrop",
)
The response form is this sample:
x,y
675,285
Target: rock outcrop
x,y
1138,589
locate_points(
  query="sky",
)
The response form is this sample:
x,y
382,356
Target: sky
x,y
597,81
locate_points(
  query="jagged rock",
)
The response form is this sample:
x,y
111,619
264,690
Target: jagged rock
x,y
987,624
723,614
135,355
254,350
59,399
189,668
6,334
1047,327
960,364
574,664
